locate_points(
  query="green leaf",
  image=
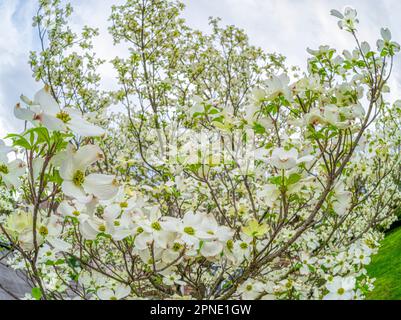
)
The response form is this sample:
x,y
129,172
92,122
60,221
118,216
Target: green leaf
x,y
258,128
293,178
214,111
55,177
22,142
275,180
43,135
12,136
36,293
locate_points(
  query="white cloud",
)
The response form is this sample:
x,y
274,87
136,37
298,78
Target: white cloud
x,y
15,44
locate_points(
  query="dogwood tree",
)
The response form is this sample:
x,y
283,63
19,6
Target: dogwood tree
x,y
212,172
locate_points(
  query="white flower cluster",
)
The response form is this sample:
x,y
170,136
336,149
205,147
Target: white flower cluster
x,y
100,217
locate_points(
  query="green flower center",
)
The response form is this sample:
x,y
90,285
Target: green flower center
x,y
123,204
249,287
102,228
43,231
63,116
76,213
340,291
176,246
156,226
189,230
116,223
230,244
78,178
139,230
4,169
113,298
243,245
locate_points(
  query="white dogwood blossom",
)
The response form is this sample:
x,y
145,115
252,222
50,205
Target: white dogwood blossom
x,y
77,184
118,293
11,172
283,159
340,288
45,110
348,18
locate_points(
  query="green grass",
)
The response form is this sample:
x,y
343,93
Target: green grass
x,y
386,268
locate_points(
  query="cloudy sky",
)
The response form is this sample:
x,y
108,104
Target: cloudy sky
x,y
285,26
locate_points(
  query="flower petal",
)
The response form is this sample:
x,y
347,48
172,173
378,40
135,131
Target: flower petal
x,y
88,230
17,167
23,113
211,249
37,165
51,122
46,101
305,159
122,291
84,128
59,244
65,209
337,14
105,293
67,168
71,190
111,212
386,34
87,155
102,186
12,180
142,240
